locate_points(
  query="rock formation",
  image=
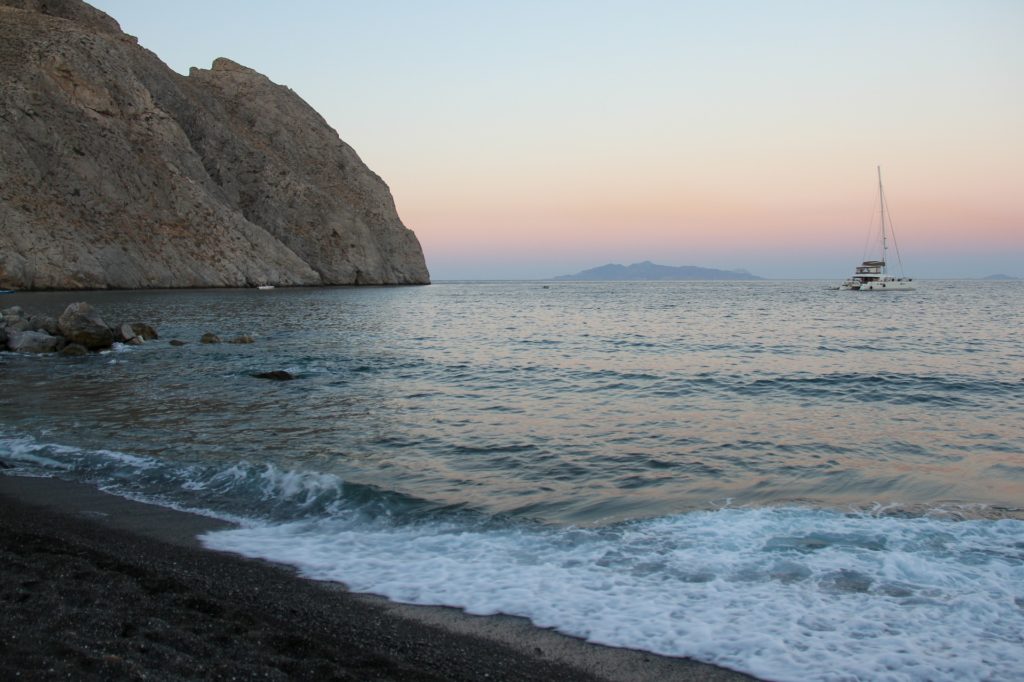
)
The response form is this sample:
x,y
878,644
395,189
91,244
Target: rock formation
x,y
79,329
116,172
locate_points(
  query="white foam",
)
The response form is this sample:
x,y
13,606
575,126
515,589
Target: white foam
x,y
296,487
254,488
780,593
21,450
133,461
789,594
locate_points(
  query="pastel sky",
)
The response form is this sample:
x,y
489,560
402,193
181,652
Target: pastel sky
x,y
529,139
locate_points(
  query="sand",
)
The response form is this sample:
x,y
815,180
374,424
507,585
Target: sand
x,y
94,586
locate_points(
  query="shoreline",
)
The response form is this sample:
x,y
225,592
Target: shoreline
x,y
129,591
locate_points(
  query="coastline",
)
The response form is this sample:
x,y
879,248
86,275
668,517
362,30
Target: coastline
x,y
128,591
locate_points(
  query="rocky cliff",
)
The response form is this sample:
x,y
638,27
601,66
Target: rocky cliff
x,y
116,172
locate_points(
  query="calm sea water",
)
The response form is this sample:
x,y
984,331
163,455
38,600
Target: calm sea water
x,y
772,476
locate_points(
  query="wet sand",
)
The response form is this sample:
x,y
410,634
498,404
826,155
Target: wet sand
x,y
94,586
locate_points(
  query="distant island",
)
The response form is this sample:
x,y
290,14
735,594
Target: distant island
x,y
1001,278
652,272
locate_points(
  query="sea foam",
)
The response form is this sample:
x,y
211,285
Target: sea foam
x,y
241,491
784,593
781,593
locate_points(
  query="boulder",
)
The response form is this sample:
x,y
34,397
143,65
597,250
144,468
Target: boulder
x,y
178,342
13,318
275,375
13,311
209,337
134,334
145,331
74,349
129,330
79,323
16,324
243,338
33,342
43,323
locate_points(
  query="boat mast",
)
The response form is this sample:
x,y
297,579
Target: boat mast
x,y
881,203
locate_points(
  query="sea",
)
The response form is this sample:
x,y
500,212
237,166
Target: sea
x,y
771,476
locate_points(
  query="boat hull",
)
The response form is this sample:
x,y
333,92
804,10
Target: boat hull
x,y
883,284
890,285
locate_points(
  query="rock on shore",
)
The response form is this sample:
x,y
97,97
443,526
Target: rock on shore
x,y
116,172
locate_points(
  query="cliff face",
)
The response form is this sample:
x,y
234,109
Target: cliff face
x,y
117,172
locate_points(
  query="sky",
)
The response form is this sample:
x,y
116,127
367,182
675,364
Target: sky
x,y
529,139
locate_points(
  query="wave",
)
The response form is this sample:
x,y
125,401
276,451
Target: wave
x,y
788,593
890,387
245,492
781,593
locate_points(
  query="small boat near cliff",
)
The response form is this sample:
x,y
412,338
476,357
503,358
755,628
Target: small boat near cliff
x,y
265,287
871,275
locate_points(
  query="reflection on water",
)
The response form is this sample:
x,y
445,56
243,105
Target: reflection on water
x,y
581,403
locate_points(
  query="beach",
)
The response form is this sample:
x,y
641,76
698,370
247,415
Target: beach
x,y
100,587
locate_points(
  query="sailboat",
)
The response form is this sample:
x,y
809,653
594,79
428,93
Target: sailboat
x,y
871,275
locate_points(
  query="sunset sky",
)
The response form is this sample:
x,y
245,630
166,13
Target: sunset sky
x,y
530,139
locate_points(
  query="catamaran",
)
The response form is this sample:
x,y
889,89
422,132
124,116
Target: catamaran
x,y
871,275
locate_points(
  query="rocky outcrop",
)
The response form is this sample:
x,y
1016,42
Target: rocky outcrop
x,y
77,331
116,172
80,330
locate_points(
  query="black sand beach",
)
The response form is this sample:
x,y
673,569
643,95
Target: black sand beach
x,y
93,586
